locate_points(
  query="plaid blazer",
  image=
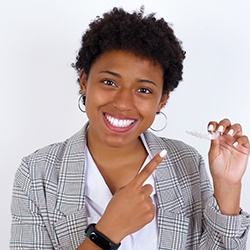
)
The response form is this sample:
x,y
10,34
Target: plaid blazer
x,y
48,209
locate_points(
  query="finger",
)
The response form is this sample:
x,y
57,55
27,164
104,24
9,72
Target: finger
x,y
149,168
218,128
147,189
212,125
150,211
234,130
223,125
242,141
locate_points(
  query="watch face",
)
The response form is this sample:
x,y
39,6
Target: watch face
x,y
101,242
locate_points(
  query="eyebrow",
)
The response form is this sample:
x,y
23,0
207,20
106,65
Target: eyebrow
x,y
111,73
119,76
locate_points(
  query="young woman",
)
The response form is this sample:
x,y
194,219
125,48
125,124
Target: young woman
x,y
116,185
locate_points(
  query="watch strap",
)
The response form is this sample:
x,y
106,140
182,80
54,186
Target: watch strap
x,y
100,239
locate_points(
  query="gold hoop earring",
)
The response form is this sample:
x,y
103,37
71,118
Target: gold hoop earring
x,y
165,125
81,102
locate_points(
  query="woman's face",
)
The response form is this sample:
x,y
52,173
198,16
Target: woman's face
x,y
123,93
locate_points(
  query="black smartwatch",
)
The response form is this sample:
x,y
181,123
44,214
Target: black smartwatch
x,y
99,239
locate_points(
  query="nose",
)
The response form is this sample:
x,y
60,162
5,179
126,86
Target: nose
x,y
123,100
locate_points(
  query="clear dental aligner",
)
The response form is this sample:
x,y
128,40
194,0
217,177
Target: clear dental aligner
x,y
208,136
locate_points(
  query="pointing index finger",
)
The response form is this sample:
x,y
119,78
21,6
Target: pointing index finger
x,y
149,168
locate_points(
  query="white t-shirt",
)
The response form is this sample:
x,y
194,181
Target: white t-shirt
x,y
98,195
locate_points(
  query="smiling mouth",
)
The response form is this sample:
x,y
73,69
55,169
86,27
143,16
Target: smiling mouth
x,y
119,123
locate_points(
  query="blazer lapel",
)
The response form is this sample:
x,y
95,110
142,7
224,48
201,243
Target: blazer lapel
x,y
172,224
70,199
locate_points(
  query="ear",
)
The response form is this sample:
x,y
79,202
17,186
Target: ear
x,y
83,82
163,101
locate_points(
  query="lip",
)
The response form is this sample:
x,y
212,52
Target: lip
x,y
118,123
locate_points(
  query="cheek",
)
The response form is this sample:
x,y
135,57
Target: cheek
x,y
92,94
149,106
147,110
96,99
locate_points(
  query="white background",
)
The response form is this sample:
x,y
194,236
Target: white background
x,y
38,90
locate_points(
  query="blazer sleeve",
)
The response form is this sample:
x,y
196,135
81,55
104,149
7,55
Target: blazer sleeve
x,y
28,230
221,231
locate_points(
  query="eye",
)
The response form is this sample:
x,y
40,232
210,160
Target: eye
x,y
109,83
145,91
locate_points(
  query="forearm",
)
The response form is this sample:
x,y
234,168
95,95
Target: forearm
x,y
227,197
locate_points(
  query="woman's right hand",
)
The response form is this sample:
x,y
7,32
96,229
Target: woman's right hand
x,y
131,207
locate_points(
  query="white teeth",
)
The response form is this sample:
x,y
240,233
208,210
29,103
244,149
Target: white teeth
x,y
119,123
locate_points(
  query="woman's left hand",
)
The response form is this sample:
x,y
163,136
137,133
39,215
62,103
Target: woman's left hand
x,y
228,154
228,157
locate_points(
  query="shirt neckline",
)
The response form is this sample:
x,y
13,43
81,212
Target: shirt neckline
x,y
96,188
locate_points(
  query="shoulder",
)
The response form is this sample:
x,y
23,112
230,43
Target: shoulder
x,y
48,155
46,162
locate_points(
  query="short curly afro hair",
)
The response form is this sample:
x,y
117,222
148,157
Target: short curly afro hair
x,y
145,36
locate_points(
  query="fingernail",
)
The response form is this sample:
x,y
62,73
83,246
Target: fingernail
x,y
235,144
231,132
163,153
220,129
210,127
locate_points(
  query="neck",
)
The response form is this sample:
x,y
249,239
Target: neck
x,y
118,165
105,152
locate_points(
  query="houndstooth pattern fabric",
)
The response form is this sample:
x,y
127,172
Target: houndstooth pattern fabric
x,y
48,207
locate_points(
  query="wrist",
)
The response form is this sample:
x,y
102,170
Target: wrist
x,y
100,239
109,230
227,187
228,197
